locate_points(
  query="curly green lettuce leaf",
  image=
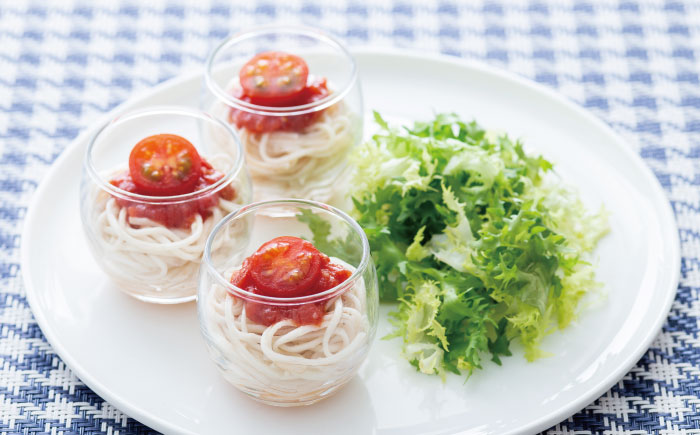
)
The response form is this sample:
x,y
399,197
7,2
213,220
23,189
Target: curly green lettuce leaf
x,y
478,242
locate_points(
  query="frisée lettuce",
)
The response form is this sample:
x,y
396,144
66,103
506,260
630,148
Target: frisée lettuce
x,y
479,242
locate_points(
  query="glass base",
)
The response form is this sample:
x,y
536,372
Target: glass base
x,y
306,400
162,300
152,296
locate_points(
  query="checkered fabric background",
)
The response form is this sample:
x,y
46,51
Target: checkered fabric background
x,y
635,64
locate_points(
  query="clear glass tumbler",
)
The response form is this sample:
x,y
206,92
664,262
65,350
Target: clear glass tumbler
x,y
151,246
297,151
287,362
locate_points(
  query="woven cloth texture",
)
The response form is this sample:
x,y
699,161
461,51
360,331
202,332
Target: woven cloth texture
x,y
634,64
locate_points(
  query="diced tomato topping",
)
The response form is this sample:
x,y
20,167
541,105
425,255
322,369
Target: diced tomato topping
x,y
253,122
175,215
305,314
287,267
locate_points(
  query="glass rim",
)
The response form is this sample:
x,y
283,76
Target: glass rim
x,y
298,300
162,110
239,104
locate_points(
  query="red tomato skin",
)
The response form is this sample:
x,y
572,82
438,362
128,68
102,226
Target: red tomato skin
x,y
314,91
151,150
310,313
273,78
285,267
177,215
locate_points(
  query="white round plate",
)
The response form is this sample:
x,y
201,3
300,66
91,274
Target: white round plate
x,y
150,361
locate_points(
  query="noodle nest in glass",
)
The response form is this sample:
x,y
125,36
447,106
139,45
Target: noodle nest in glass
x,y
305,156
151,246
287,362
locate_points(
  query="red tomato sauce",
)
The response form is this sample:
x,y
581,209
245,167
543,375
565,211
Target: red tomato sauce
x,y
288,267
176,215
314,91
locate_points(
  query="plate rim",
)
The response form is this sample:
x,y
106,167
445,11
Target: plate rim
x,y
665,214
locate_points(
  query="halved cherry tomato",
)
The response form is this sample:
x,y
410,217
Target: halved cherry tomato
x,y
273,78
165,165
285,267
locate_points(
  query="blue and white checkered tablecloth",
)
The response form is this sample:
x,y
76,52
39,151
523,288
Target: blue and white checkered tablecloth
x,y
635,64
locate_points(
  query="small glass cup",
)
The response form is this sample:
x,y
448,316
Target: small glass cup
x,y
286,364
151,246
308,163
